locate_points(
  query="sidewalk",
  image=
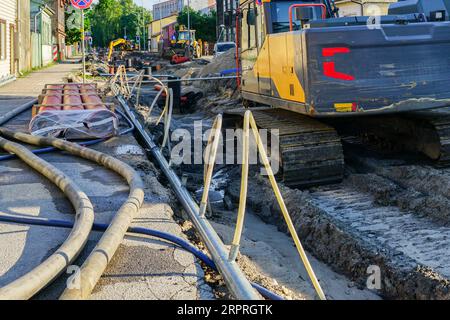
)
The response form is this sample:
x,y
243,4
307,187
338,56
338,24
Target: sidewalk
x,y
143,267
25,89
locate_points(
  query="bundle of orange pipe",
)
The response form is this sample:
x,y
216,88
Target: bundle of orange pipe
x,y
71,96
53,100
90,97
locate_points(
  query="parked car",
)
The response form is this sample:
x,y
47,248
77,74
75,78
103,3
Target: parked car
x,y
222,47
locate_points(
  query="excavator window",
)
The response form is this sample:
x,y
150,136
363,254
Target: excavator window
x,y
248,37
253,26
260,26
280,15
184,35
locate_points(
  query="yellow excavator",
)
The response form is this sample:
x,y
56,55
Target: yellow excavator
x,y
126,44
320,76
179,44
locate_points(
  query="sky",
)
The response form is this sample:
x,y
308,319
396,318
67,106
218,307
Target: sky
x,y
147,3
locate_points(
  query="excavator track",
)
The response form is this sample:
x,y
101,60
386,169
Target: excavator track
x,y
440,122
310,152
427,132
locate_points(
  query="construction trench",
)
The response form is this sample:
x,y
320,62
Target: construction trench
x,y
389,214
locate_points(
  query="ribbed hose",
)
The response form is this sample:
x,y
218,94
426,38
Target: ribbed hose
x,y
96,263
32,282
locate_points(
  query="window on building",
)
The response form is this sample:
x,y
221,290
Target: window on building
x,y
3,42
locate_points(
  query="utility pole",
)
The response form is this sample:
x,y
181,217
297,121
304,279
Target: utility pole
x,y
160,29
189,29
82,46
143,25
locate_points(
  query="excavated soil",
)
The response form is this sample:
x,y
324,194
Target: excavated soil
x,y
350,231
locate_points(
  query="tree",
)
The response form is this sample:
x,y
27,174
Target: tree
x,y
109,18
203,24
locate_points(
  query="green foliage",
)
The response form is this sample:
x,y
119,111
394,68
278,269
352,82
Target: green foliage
x,y
73,36
73,18
203,24
109,18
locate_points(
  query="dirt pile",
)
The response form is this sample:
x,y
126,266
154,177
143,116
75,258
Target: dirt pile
x,y
226,61
186,70
220,63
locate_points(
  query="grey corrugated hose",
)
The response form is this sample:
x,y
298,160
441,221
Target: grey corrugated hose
x,y
32,282
96,263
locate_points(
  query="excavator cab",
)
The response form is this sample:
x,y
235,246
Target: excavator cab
x,y
300,56
293,15
184,42
183,36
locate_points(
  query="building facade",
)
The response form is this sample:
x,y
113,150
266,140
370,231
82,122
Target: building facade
x,y
160,31
24,35
59,27
349,8
167,8
8,40
42,38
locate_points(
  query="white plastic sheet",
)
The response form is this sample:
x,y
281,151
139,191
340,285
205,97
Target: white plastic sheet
x,y
75,124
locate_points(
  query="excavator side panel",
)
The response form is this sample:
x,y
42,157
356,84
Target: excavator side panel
x,y
355,70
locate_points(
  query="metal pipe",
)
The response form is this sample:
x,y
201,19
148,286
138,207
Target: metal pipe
x,y
236,282
210,156
178,80
35,20
243,193
83,49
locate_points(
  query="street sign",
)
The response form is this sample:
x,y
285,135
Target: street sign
x,y
81,4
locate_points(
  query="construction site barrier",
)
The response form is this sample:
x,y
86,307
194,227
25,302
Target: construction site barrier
x,y
210,157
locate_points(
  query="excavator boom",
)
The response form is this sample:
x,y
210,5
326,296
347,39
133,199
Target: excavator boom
x,y
116,43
